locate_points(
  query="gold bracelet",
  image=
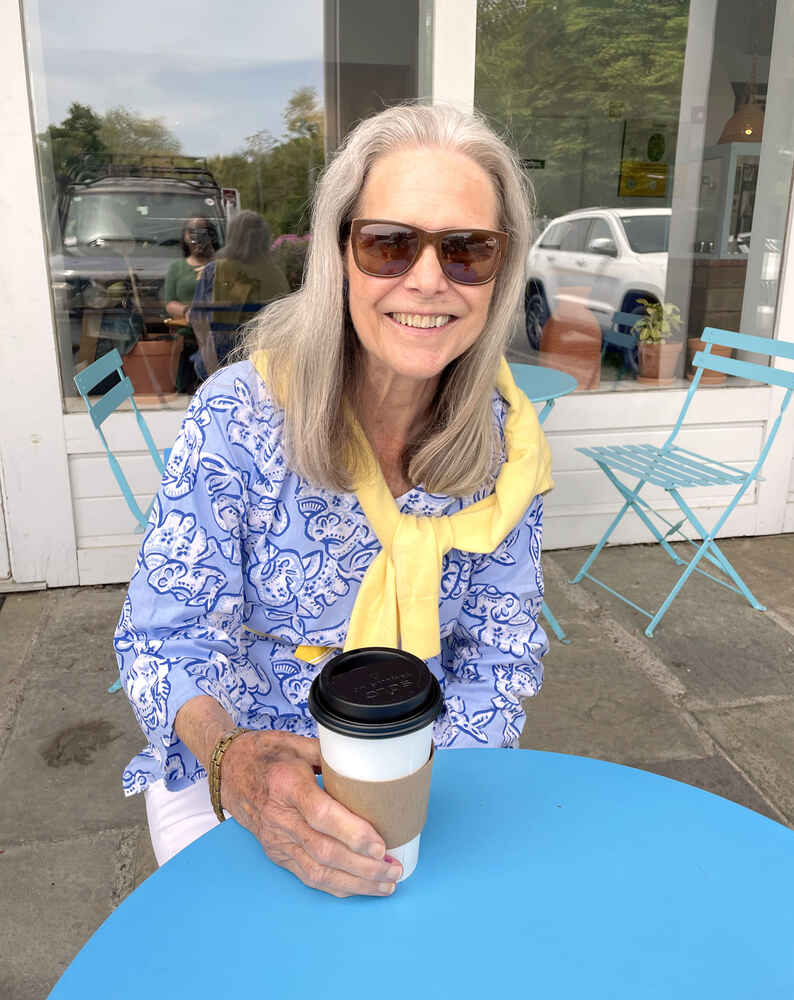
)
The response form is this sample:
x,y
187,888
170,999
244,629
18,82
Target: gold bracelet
x,y
214,774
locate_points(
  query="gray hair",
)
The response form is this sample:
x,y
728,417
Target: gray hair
x,y
248,237
313,351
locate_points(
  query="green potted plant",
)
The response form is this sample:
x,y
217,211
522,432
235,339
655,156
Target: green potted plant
x,y
658,350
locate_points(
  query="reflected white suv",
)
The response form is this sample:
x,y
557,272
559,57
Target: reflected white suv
x,y
603,258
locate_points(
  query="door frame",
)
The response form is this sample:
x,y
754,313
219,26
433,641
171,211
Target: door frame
x,y
37,495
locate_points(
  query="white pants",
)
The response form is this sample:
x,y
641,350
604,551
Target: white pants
x,y
176,819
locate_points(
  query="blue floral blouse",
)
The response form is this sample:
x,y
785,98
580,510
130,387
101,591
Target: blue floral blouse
x,y
243,561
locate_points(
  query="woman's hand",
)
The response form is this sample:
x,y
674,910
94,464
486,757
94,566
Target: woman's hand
x,y
268,784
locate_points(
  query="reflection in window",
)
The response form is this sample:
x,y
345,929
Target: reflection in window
x,y
141,201
591,94
647,233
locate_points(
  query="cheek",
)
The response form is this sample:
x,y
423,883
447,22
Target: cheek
x,y
479,301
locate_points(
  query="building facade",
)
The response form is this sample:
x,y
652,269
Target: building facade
x,y
658,135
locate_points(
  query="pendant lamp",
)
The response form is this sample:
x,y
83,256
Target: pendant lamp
x,y
746,124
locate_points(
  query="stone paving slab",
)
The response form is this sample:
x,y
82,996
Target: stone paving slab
x,y
23,617
760,737
55,898
71,739
719,647
594,702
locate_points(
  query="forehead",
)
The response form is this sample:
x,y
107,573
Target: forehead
x,y
430,187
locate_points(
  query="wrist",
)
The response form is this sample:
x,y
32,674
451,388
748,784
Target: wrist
x,y
199,724
215,769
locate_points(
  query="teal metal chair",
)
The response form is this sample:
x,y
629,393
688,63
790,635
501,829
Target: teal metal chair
x,y
99,409
674,468
545,385
621,337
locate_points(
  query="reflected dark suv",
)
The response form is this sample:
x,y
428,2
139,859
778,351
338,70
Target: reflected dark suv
x,y
118,233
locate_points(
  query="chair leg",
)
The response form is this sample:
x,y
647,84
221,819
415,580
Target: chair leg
x,y
555,625
718,554
637,505
630,498
708,545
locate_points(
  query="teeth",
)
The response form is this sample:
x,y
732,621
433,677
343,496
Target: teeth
x,y
422,322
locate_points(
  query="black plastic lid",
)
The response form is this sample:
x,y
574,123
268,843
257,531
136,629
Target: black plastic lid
x,y
374,693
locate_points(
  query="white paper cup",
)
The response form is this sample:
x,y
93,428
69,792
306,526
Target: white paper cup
x,y
380,760
374,709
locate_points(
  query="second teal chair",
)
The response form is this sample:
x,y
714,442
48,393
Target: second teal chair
x,y
674,468
100,408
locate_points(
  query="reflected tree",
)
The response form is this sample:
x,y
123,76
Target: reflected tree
x,y
277,177
561,76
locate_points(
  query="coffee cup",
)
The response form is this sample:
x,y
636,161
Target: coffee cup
x,y
374,708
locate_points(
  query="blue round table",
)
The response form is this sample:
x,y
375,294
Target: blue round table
x,y
539,875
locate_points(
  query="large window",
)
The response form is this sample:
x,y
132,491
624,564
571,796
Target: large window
x,y
179,147
648,129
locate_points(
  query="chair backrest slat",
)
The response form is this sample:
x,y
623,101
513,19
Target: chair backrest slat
x,y
97,371
625,319
744,369
615,338
101,409
112,399
748,342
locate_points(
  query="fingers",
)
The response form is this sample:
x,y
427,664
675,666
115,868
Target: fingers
x,y
325,815
332,880
331,853
271,789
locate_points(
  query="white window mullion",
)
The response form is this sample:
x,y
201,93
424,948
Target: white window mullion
x,y
454,45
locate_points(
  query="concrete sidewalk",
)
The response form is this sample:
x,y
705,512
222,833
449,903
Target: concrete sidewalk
x,y
709,701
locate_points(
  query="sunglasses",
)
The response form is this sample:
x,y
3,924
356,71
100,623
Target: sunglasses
x,y
389,249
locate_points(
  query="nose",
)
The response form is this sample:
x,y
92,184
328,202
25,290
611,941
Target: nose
x,y
426,276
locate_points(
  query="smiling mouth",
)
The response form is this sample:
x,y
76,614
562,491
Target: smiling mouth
x,y
419,322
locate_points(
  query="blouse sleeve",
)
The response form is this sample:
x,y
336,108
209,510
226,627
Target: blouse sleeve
x,y
177,636
492,657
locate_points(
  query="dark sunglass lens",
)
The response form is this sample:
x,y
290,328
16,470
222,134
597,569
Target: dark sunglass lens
x,y
386,250
470,257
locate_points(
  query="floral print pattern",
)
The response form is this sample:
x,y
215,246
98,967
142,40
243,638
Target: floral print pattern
x,y
243,561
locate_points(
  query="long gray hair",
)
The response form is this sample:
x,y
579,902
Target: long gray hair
x,y
313,351
248,237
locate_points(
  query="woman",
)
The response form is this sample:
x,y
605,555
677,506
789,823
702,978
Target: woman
x,y
277,535
199,242
238,283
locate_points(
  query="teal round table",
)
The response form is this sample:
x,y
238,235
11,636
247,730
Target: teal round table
x,y
539,875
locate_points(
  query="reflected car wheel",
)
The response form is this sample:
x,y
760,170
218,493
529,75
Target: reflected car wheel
x,y
536,314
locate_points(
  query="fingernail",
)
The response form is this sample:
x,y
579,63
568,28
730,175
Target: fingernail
x,y
387,888
389,859
375,851
394,872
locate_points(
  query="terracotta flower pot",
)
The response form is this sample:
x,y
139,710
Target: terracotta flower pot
x,y
658,362
695,344
149,367
571,340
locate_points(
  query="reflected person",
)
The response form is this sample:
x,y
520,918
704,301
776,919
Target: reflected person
x,y
232,289
199,241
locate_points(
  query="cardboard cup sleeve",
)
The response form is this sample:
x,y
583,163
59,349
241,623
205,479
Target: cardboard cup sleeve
x,y
397,809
